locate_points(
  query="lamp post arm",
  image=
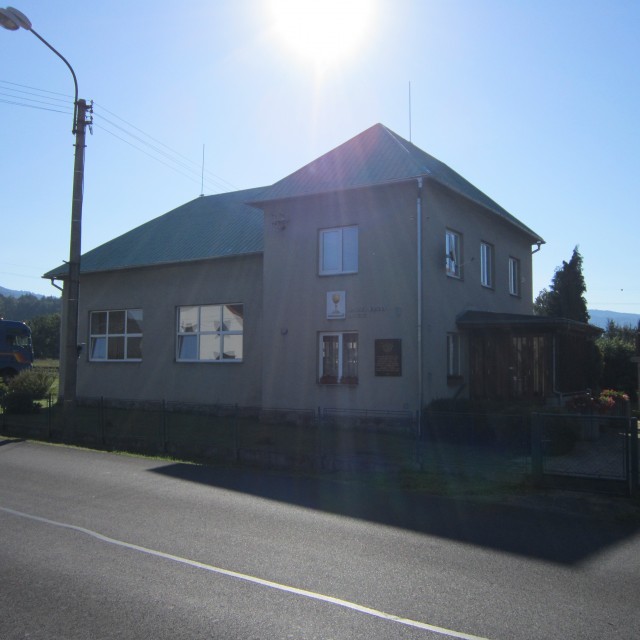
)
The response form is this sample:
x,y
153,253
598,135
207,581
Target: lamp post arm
x,y
73,73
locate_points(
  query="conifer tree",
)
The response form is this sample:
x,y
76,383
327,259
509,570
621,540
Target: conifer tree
x,y
565,297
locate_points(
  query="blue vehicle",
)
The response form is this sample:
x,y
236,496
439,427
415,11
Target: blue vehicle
x,y
16,349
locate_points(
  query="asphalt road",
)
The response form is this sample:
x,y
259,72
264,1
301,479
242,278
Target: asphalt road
x,y
95,545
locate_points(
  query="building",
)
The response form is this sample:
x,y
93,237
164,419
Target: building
x,y
373,278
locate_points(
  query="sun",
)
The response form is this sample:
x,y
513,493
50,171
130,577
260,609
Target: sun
x,y
324,32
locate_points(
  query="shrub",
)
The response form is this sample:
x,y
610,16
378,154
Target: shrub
x,y
561,436
34,382
457,420
23,391
584,403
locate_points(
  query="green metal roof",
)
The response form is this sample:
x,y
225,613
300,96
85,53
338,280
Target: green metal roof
x,y
374,157
208,227
227,225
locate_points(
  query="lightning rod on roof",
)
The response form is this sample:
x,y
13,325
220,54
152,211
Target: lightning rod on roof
x,y
409,110
202,175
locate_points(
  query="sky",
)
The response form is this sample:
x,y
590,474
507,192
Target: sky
x,y
536,102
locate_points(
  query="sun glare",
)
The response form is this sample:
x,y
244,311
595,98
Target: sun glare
x,y
322,31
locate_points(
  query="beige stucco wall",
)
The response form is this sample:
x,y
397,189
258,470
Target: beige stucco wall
x,y
285,304
158,291
381,299
445,297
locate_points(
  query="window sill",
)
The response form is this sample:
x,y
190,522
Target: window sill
x,y
337,273
122,360
332,381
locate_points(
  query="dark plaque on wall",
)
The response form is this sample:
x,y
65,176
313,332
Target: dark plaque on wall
x,y
388,357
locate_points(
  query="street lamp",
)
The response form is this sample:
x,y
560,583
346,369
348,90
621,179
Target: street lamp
x,y
13,20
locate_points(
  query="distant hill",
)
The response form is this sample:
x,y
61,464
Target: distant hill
x,y
24,305
12,293
601,318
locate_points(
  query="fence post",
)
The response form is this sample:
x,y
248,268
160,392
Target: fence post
x,y
49,411
536,448
164,426
321,444
236,435
102,431
632,428
418,439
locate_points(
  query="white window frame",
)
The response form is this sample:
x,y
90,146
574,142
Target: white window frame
x,y
195,340
453,355
344,370
514,276
453,254
486,265
344,250
116,343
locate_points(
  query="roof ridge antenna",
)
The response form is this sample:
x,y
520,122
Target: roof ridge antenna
x,y
202,174
409,110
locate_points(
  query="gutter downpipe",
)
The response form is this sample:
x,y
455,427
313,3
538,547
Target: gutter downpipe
x,y
420,298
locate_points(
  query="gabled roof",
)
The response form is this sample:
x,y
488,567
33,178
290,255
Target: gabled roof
x,y
378,156
208,227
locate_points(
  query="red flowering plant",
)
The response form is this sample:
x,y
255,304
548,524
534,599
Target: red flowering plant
x,y
611,400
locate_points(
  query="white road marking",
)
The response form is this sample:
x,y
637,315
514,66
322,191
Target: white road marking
x,y
253,579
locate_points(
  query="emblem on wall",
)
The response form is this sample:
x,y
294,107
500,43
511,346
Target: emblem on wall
x,y
336,305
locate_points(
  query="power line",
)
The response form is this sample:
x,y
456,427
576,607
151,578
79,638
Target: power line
x,y
160,152
31,93
25,86
229,184
24,104
33,106
194,179
155,149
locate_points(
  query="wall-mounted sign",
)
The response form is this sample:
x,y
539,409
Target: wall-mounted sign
x,y
388,357
336,305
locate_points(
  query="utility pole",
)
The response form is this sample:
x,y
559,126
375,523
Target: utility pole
x,y
13,20
71,291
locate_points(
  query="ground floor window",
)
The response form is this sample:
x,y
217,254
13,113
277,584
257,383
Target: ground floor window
x,y
115,335
210,333
507,366
338,358
453,355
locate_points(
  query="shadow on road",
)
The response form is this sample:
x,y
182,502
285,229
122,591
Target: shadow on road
x,y
528,530
11,441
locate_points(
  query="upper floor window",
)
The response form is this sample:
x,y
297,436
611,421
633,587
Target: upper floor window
x,y
115,335
453,254
486,264
514,276
338,358
338,250
210,333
